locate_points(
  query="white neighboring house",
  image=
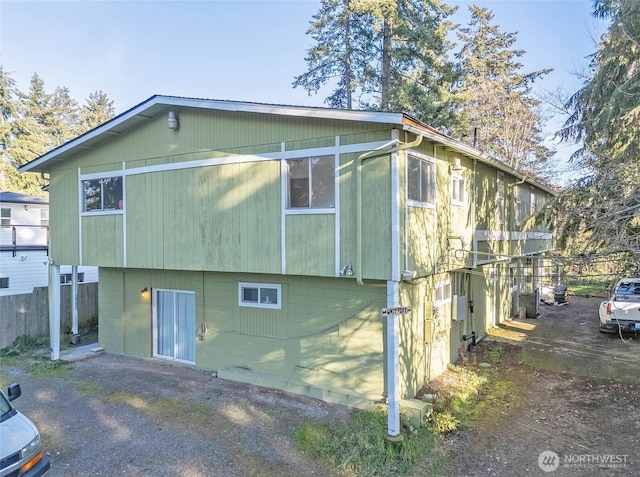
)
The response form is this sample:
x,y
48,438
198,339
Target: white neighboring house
x,y
24,246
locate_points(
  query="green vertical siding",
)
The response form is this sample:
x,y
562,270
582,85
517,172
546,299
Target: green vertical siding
x,y
310,245
102,240
63,217
111,332
328,334
218,218
376,218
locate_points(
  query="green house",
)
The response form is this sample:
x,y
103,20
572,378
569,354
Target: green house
x,y
263,242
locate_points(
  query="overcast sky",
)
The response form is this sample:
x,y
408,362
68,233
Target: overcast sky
x,y
236,50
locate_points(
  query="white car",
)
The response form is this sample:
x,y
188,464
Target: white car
x,y
621,313
20,449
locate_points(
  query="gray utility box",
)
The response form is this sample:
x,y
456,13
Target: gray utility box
x,y
531,303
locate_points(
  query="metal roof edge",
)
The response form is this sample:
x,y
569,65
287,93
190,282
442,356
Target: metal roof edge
x,y
476,154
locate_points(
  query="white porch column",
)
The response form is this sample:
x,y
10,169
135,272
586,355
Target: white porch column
x,y
393,362
74,299
54,310
393,300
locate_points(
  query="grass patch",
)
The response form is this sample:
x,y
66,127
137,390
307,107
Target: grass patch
x,y
454,406
588,289
44,367
495,353
21,345
359,446
86,387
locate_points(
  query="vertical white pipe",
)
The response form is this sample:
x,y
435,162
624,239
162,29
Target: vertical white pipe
x,y
283,209
54,310
393,300
395,212
74,299
393,361
337,207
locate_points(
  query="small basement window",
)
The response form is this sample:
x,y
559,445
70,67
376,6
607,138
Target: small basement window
x,y
443,293
260,295
4,282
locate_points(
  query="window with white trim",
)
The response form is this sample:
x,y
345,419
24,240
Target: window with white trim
x,y
103,194
443,292
44,217
533,205
421,180
457,189
5,217
520,204
311,183
260,295
67,278
4,282
500,197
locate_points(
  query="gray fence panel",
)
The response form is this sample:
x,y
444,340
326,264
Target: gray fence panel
x,y
28,315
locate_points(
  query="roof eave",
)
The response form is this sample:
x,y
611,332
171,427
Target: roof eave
x,y
236,106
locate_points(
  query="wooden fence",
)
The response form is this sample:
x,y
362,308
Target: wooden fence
x,y
28,315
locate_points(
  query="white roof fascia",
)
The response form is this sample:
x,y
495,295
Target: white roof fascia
x,y
236,106
476,154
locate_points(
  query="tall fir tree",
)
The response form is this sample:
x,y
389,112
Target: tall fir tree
x,y
35,122
8,173
499,114
97,110
387,54
340,55
605,202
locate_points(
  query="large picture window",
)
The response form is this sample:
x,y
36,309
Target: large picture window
x,y
421,180
311,183
260,295
102,194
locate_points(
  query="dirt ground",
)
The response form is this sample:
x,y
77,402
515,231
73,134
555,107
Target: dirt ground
x,y
564,399
112,415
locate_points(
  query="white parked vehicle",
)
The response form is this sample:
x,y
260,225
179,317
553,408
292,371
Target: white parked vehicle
x,y
621,313
20,448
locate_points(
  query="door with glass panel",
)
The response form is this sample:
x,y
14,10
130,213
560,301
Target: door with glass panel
x,y
174,321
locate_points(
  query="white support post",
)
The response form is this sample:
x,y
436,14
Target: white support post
x,y
74,299
393,375
393,361
54,310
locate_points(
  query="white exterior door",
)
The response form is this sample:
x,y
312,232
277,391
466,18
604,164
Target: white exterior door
x,y
174,317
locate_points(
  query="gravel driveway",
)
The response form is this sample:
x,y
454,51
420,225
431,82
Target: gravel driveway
x,y
565,400
561,391
112,415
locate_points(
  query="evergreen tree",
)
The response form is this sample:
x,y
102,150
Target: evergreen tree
x,y
605,203
499,115
35,122
97,110
65,123
8,173
338,55
389,54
